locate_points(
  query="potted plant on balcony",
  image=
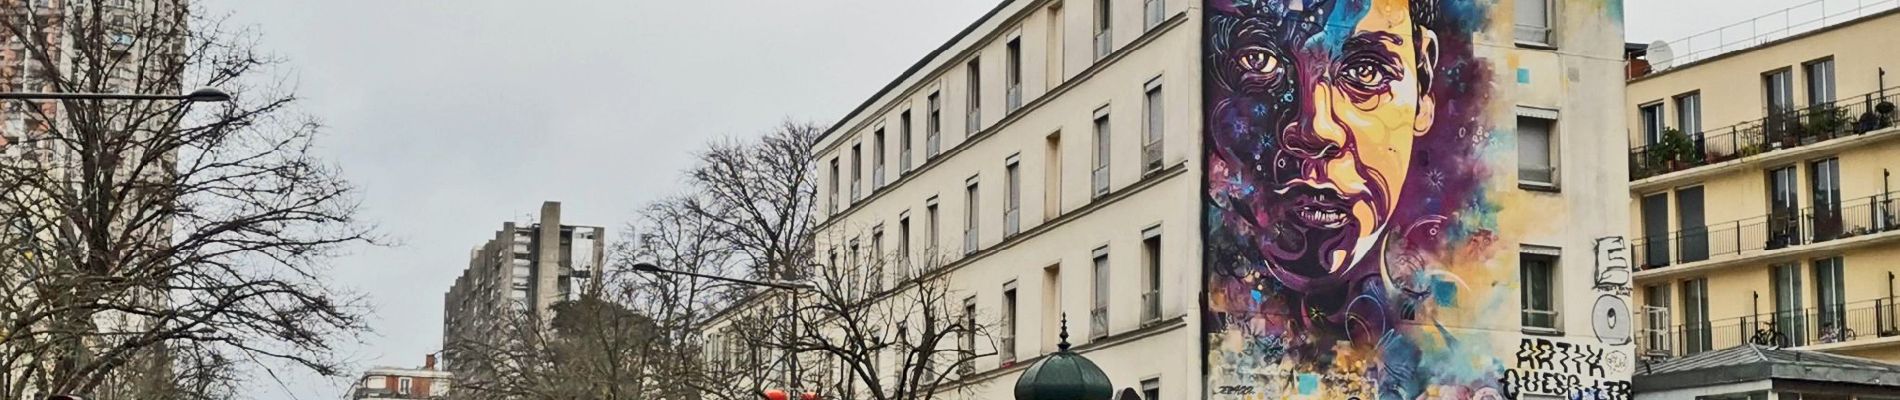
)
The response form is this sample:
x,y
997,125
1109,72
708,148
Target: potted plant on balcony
x,y
1823,122
1676,150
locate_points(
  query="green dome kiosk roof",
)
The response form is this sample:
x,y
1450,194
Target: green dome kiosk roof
x,y
1064,375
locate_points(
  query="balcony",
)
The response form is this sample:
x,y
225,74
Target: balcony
x,y
1828,327
1012,222
973,121
1776,131
1151,158
1098,181
1098,322
1006,350
969,241
933,144
1776,231
1151,306
1013,98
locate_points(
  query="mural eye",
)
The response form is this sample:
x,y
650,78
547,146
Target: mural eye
x,y
1366,76
1259,62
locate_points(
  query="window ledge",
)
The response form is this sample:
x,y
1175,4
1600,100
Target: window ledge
x,y
1539,187
1535,46
1551,332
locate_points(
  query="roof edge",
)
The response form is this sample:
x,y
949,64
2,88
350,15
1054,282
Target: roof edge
x,y
912,71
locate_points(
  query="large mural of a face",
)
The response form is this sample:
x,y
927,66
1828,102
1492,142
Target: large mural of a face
x,y
1345,199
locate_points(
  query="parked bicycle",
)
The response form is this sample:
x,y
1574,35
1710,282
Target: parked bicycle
x,y
1769,337
1835,333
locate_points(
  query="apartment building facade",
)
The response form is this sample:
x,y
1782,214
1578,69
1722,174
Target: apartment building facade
x,y
523,271
392,383
1760,180
1246,199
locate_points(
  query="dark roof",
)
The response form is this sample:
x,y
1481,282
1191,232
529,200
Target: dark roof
x,y
1753,363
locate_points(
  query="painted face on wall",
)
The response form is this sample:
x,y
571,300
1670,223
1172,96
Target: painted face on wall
x,y
1333,93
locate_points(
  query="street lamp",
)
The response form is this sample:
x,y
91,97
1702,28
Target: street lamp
x,y
650,268
201,95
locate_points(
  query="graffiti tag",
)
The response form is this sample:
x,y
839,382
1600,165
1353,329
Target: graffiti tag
x,y
1554,368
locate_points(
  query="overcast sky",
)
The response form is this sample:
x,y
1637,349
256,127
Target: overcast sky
x,y
455,115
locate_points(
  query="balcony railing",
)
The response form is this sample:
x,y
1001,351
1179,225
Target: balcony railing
x,y
969,241
1152,12
1103,44
857,189
1541,320
973,121
1006,349
1151,306
903,162
877,175
1098,322
1099,181
1840,323
1012,222
1151,157
1013,98
1854,217
1777,130
933,144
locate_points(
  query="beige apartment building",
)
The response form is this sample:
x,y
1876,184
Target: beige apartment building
x,y
1761,180
1245,200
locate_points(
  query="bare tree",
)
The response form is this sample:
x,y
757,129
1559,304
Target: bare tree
x,y
896,335
160,238
760,195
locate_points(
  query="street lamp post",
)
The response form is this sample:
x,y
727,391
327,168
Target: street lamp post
x,y
202,95
787,286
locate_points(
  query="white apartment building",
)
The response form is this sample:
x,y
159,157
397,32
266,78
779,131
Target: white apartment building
x,y
1257,199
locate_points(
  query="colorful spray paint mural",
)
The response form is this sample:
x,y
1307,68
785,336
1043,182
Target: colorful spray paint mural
x,y
1352,243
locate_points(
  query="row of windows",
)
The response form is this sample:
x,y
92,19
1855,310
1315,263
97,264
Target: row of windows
x,y
1777,96
1789,322
1014,94
1826,216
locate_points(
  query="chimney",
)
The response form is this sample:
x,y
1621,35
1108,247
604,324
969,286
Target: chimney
x,y
428,362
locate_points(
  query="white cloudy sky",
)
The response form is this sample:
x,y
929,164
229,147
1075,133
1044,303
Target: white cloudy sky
x,y
454,115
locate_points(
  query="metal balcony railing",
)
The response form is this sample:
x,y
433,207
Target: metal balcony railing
x,y
1541,320
1013,98
1776,130
1012,222
1838,323
1795,20
969,241
1152,12
1531,34
1151,306
1151,158
1850,218
933,144
1544,175
1099,180
973,121
1006,349
1098,322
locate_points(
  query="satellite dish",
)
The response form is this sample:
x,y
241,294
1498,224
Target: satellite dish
x,y
1661,57
1128,394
